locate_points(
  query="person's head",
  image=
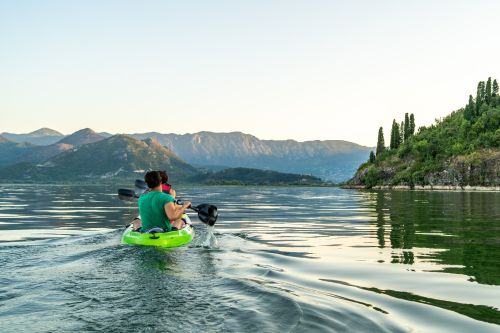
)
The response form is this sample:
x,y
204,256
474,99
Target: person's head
x,y
152,178
164,177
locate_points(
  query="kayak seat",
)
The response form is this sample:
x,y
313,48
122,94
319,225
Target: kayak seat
x,y
154,230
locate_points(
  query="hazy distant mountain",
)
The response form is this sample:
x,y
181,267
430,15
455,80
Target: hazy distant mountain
x,y
43,136
335,160
118,156
82,137
13,152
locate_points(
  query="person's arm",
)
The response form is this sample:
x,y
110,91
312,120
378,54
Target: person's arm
x,y
175,212
172,192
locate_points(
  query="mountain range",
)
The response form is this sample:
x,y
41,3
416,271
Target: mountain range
x,y
334,160
122,157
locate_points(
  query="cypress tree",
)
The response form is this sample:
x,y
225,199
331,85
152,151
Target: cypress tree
x,y
467,113
380,141
372,157
392,144
469,109
397,137
487,95
412,125
401,132
407,127
479,96
495,88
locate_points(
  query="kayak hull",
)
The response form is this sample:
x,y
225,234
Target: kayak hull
x,y
164,239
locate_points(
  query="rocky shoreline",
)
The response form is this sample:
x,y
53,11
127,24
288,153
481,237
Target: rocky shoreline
x,y
466,188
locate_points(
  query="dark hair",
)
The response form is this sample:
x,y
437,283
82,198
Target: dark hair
x,y
164,177
152,178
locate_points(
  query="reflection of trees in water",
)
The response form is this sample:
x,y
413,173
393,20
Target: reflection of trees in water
x,y
402,231
464,224
380,219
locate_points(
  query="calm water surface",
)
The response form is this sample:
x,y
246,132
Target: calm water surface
x,y
289,260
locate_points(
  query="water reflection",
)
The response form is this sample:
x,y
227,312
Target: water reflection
x,y
463,228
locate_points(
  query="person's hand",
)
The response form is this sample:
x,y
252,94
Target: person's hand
x,y
186,205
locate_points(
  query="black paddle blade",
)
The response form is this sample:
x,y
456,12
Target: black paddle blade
x,y
127,195
141,184
207,214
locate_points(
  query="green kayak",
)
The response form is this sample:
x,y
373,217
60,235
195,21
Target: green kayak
x,y
162,239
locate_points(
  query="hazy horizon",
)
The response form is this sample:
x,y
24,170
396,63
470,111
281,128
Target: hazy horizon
x,y
317,70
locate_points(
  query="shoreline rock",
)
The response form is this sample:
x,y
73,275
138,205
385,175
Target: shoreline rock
x,y
457,188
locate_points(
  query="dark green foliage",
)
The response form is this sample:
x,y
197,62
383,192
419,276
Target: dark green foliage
x,y
486,96
402,132
372,177
480,96
247,176
412,125
395,138
380,141
470,109
488,92
407,127
372,157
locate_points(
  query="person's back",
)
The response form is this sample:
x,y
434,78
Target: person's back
x,y
158,209
152,212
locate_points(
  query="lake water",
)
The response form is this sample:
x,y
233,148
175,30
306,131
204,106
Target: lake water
x,y
289,260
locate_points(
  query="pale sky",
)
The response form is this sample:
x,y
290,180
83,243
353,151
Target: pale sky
x,y
300,70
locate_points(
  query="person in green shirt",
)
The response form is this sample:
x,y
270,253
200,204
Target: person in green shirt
x,y
158,209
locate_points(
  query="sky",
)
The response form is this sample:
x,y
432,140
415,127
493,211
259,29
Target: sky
x,y
303,70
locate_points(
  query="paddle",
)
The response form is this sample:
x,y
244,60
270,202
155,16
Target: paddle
x,y
141,184
206,213
127,195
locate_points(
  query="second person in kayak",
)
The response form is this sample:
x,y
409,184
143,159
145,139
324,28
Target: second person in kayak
x,y
158,209
165,186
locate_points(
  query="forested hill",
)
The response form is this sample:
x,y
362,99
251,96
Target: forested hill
x,y
459,150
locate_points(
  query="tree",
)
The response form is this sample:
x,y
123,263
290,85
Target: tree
x,y
412,124
470,108
372,157
495,88
407,127
392,144
380,141
479,96
487,95
401,132
395,136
